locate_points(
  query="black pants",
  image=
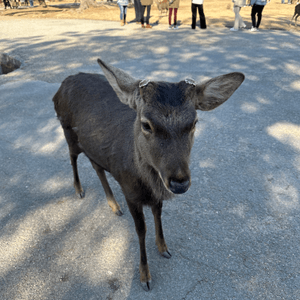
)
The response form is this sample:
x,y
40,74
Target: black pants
x,y
138,10
148,14
256,9
201,14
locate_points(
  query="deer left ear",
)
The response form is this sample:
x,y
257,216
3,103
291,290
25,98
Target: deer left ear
x,y
216,91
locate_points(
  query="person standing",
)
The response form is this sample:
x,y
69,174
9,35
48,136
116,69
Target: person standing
x,y
238,21
198,4
146,4
257,8
123,11
174,5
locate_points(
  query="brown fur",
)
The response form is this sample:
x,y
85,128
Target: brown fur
x,y
141,132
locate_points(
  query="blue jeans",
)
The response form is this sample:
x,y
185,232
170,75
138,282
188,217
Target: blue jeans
x,y
123,11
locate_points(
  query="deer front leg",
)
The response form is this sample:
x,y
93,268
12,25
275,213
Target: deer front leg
x,y
140,227
114,205
160,240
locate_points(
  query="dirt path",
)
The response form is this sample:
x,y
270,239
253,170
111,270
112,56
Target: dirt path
x,y
218,13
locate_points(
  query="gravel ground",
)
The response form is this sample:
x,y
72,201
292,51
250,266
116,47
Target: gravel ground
x,y
233,235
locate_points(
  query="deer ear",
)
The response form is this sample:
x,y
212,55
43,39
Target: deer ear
x,y
216,91
125,86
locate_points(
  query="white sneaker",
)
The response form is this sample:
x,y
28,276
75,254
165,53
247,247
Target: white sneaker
x,y
253,29
233,29
175,27
170,26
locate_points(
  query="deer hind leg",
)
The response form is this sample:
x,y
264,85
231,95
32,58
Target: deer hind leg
x,y
108,192
160,240
74,150
140,227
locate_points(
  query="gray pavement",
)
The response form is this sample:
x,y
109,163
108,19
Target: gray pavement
x,y
234,235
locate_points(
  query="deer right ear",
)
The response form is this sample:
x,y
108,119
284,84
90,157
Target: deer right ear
x,y
125,86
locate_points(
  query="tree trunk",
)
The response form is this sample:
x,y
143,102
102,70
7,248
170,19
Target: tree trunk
x,y
84,4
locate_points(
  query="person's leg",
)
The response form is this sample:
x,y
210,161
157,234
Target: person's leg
x,y
139,5
194,15
148,13
175,16
142,14
202,17
125,12
253,17
121,11
241,22
259,14
170,15
136,10
236,10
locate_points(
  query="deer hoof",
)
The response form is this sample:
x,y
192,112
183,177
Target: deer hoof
x,y
147,286
80,195
119,213
166,254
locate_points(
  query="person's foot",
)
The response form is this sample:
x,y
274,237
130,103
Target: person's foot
x,y
175,26
122,23
170,26
243,26
143,26
148,26
193,27
233,29
253,29
125,23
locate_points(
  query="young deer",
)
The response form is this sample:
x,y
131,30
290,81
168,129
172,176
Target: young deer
x,y
140,131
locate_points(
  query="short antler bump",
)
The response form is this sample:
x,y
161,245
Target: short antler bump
x,y
144,82
190,81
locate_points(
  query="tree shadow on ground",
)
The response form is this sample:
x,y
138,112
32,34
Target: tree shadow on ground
x,y
234,233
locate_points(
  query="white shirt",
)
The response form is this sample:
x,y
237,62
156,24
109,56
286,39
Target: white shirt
x,y
197,1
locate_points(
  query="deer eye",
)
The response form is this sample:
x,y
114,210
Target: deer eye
x,y
146,127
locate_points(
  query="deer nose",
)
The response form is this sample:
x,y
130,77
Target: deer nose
x,y
179,187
